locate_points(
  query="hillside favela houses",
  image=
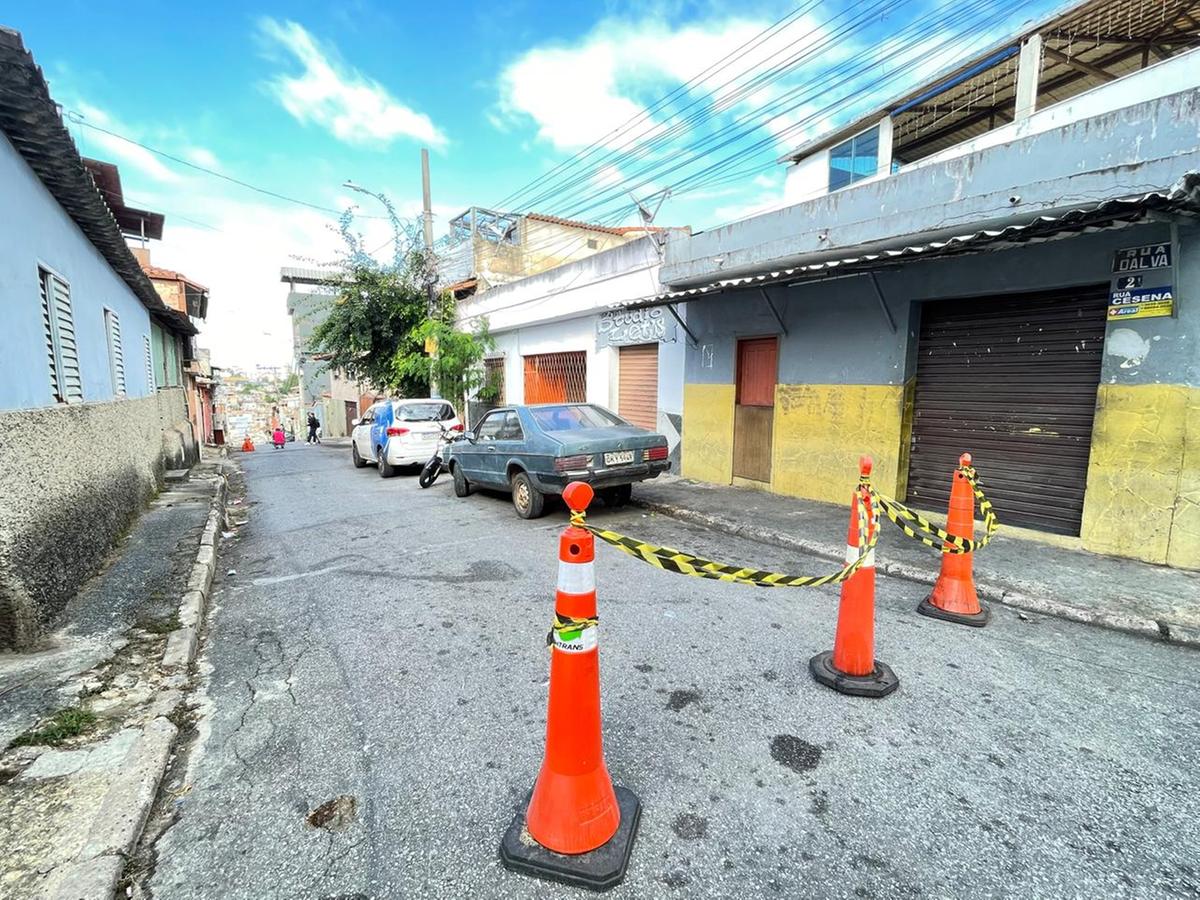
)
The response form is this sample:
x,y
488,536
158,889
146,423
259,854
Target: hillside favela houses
x,y
92,408
1006,261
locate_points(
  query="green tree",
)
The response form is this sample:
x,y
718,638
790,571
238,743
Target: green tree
x,y
379,321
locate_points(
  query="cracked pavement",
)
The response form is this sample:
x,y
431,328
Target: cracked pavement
x,y
387,644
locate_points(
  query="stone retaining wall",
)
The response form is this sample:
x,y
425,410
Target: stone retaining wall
x,y
72,479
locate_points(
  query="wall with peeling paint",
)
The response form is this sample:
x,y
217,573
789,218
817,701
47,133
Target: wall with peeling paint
x,y
708,432
843,375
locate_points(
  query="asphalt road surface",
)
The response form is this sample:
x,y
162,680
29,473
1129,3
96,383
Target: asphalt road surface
x,y
386,645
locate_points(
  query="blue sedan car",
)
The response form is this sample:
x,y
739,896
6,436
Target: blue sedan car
x,y
537,450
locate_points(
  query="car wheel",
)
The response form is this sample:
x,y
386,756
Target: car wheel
x,y
528,500
430,473
462,487
386,469
359,462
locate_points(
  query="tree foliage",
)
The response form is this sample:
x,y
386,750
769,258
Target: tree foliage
x,y
379,320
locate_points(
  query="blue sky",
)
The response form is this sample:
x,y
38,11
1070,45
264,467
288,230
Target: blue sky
x,y
296,98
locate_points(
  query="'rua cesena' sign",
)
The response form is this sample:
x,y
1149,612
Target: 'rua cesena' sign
x,y
633,326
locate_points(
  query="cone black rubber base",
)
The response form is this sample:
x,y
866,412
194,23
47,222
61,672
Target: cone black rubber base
x,y
881,682
597,870
977,620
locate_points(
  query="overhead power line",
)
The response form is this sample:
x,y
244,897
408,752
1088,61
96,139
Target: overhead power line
x,y
78,119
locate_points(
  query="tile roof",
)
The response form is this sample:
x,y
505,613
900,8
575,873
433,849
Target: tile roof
x,y
572,223
30,119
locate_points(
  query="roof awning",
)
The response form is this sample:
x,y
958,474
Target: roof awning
x,y
1183,199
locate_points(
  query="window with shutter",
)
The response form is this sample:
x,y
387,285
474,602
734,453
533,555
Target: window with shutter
x,y
149,363
65,381
116,354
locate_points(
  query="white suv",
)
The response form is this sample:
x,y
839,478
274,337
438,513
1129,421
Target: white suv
x,y
395,433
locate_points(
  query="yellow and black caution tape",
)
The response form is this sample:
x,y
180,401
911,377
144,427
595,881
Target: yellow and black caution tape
x,y
672,560
917,526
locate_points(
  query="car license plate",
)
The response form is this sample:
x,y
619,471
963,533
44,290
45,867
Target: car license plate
x,y
618,458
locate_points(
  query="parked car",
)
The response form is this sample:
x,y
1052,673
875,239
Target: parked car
x,y
537,450
395,433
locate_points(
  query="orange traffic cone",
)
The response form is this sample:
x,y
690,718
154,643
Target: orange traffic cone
x,y
577,827
247,445
851,667
954,598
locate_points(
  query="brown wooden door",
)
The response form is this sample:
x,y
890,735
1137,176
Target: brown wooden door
x,y
351,415
754,413
637,385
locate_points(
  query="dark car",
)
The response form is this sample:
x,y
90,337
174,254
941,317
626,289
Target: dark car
x,y
538,450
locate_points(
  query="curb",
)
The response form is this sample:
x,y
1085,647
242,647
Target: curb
x,y
118,825
1140,625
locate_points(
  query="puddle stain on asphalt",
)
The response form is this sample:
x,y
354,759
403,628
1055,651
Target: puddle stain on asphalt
x,y
682,699
798,755
690,826
334,815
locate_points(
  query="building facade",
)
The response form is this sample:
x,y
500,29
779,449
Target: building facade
x,y
323,391
88,430
563,336
1018,282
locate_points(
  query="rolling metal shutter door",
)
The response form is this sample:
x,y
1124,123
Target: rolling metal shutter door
x,y
1011,379
637,385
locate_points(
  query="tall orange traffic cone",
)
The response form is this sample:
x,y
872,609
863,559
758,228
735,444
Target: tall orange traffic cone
x,y
953,597
247,445
577,827
851,667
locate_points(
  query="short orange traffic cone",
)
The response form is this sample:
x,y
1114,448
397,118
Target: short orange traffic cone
x,y
247,445
577,828
953,597
851,667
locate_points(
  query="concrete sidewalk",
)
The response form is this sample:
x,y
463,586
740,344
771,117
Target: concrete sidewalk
x,y
1156,601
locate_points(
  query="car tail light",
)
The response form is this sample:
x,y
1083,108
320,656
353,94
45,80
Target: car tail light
x,y
566,463
654,453
457,427
396,432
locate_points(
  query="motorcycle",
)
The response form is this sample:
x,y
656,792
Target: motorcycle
x,y
437,463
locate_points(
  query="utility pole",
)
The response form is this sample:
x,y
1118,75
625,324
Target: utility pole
x,y
431,300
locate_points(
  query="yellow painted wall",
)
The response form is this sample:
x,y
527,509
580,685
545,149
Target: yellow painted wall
x,y
822,429
707,451
1143,487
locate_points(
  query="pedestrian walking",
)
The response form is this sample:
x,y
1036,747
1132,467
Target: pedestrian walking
x,y
314,425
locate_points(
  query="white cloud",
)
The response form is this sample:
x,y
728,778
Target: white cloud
x,y
117,150
202,156
588,91
354,108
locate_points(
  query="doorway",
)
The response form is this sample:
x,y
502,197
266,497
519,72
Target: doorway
x,y
637,385
351,415
754,412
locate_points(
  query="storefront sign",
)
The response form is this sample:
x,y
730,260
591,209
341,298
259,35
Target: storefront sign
x,y
1143,283
623,327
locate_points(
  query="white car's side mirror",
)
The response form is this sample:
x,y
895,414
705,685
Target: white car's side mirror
x,y
354,422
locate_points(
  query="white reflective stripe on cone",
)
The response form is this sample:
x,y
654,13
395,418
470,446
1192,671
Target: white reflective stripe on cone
x,y
576,578
852,555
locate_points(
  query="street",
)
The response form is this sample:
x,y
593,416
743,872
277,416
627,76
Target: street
x,y
386,645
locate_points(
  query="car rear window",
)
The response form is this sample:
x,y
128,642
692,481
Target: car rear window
x,y
571,418
424,412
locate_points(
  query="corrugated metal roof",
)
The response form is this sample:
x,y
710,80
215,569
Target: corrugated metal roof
x,y
308,276
1183,197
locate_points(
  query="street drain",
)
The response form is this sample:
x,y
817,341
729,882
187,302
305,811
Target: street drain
x,y
334,815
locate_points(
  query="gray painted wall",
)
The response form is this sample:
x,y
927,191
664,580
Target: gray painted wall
x,y
35,230
838,334
72,479
1139,148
